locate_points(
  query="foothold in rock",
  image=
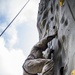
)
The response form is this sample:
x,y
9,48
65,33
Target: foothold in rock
x,y
47,26
66,22
43,23
55,18
61,70
62,20
68,30
63,38
54,27
52,18
51,8
45,14
57,7
59,44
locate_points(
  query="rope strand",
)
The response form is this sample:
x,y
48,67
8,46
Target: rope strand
x,y
70,10
14,18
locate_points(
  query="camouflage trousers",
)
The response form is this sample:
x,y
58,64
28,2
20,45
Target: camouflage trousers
x,y
34,66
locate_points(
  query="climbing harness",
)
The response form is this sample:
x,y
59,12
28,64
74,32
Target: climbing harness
x,y
14,18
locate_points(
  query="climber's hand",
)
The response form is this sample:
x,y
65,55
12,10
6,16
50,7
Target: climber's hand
x,y
49,38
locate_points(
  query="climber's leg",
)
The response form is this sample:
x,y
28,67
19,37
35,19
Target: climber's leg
x,y
48,68
35,65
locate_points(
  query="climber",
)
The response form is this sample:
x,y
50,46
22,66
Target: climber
x,y
35,62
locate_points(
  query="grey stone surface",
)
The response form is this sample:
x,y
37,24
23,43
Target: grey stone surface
x,y
53,17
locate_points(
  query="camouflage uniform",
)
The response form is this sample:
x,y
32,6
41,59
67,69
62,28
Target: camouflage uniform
x,y
35,62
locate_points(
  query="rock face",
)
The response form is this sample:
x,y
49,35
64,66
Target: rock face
x,y
59,15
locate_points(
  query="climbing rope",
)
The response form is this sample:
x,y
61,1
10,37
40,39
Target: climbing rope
x,y
14,18
70,10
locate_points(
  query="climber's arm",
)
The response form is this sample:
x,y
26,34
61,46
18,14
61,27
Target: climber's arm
x,y
42,44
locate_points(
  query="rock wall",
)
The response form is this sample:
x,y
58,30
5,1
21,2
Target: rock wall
x,y
59,15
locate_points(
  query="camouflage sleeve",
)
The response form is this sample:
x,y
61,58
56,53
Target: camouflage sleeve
x,y
42,44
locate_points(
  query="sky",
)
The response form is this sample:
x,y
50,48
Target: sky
x,y
19,38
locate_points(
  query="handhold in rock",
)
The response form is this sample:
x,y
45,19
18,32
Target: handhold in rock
x,y
52,18
62,19
51,8
66,23
53,27
56,18
61,70
61,2
57,7
73,72
45,14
